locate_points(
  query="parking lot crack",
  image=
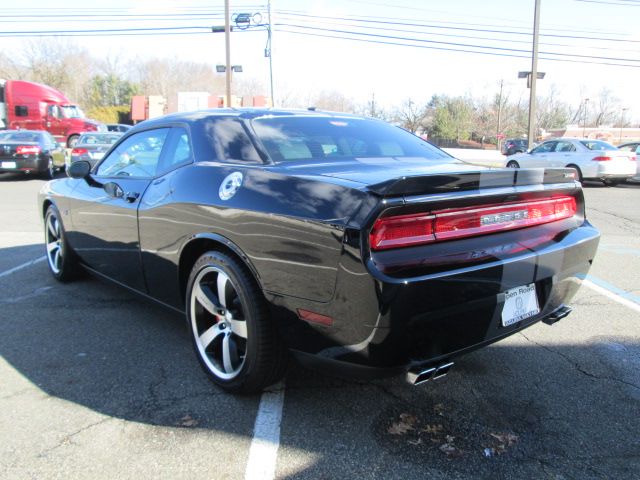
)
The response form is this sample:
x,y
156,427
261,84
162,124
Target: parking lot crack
x,y
68,439
579,368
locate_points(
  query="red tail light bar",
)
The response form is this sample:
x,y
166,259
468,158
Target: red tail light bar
x,y
27,149
77,152
408,230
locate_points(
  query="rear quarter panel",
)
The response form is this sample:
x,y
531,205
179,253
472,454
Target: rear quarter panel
x,y
290,229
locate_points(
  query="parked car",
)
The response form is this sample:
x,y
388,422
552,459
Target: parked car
x,y
30,152
592,159
353,244
516,145
633,147
118,127
92,146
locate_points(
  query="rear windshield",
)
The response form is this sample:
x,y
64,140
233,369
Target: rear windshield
x,y
19,137
302,138
597,145
99,138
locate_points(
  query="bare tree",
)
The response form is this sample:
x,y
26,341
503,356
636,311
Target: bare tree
x,y
57,62
410,115
605,108
162,76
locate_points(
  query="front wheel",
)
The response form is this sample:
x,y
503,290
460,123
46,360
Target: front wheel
x,y
63,262
513,164
234,337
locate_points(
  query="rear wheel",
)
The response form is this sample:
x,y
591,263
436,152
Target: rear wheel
x,y
50,171
513,164
73,139
609,182
233,335
63,262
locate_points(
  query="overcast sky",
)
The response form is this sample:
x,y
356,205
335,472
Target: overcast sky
x,y
391,49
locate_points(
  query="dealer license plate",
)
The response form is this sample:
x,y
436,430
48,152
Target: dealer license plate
x,y
97,155
8,164
520,303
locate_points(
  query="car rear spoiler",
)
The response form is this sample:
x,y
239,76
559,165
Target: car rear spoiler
x,y
457,182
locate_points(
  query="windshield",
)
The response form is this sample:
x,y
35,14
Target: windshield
x,y
303,138
597,145
72,112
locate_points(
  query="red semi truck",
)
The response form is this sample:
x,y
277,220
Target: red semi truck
x,y
33,106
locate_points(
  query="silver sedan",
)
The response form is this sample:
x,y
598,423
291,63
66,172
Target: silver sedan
x,y
592,159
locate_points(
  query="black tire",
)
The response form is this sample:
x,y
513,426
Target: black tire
x,y
234,338
72,140
50,172
513,164
608,182
577,169
62,261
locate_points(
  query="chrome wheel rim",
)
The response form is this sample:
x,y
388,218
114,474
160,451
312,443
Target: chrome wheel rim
x,y
53,241
218,323
512,165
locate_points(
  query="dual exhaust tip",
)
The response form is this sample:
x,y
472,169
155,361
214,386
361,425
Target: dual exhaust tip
x,y
420,375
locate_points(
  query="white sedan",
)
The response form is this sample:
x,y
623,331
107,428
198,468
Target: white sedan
x,y
592,159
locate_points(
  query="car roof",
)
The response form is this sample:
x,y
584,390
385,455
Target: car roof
x,y
247,113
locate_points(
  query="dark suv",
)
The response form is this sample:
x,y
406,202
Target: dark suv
x,y
517,145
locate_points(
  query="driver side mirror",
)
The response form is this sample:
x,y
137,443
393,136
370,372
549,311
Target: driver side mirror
x,y
79,169
82,170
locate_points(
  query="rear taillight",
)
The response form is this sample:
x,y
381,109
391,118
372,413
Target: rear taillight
x,y
602,159
408,230
633,158
78,152
27,149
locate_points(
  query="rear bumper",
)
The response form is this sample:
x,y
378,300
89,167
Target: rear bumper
x,y
23,165
387,325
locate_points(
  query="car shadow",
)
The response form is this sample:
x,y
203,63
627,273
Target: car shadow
x,y
519,406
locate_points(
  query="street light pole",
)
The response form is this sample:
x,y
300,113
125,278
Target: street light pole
x,y
622,122
227,39
534,75
270,50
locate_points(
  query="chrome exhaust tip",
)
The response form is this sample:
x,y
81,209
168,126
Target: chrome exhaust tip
x,y
418,375
557,315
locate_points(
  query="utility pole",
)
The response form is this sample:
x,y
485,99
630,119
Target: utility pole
x,y
534,76
499,116
227,39
270,50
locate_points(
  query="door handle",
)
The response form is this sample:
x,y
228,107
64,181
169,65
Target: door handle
x,y
131,197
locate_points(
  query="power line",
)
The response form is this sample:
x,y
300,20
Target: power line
x,y
451,49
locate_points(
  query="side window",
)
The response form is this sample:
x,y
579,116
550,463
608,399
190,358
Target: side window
x,y
50,140
22,111
138,156
177,151
564,147
544,148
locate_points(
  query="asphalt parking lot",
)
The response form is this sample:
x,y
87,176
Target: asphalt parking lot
x,y
97,383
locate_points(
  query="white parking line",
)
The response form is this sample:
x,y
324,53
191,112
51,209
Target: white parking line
x,y
20,267
266,435
613,296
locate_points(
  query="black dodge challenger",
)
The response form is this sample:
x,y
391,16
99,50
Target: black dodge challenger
x,y
353,244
